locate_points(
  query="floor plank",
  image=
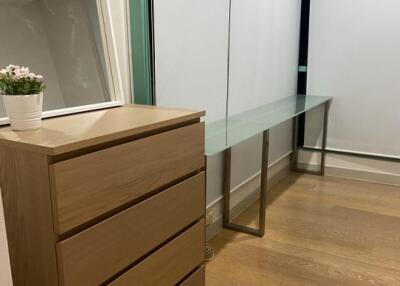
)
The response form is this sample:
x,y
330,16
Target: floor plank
x,y
320,231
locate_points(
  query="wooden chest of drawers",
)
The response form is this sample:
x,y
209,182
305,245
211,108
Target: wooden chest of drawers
x,y
111,197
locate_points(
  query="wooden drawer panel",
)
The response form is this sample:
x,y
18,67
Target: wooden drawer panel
x,y
88,186
198,278
94,255
170,264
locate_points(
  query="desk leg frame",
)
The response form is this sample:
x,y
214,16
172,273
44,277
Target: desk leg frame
x,y
295,155
264,176
263,192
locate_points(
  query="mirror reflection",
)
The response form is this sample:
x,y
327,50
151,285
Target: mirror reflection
x,y
63,40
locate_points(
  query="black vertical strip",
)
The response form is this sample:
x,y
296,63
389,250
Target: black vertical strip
x,y
303,63
152,50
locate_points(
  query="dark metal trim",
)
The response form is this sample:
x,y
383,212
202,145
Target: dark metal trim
x,y
324,137
153,52
295,146
353,154
295,167
303,62
227,186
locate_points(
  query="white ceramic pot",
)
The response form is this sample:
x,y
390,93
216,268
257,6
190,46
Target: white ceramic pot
x,y
24,111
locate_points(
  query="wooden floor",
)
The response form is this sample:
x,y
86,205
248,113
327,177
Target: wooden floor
x,y
320,231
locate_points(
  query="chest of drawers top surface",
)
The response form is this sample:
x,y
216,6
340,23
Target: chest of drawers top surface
x,y
72,132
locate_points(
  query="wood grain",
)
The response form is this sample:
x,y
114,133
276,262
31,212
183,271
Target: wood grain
x,y
94,255
88,186
28,217
170,264
68,133
320,231
198,278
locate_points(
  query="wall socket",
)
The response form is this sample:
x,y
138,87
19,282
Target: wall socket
x,y
209,217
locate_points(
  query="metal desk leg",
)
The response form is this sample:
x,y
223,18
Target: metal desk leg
x,y
295,147
263,192
295,167
324,137
227,187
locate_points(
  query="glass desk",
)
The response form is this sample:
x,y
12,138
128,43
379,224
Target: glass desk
x,y
222,135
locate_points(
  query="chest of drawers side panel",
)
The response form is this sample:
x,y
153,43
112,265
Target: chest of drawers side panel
x,y
24,182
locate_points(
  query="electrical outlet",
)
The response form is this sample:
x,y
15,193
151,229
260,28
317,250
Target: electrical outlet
x,y
209,217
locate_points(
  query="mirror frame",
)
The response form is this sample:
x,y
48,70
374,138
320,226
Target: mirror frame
x,y
120,95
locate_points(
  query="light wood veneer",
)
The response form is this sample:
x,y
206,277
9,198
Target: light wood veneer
x,y
321,231
197,278
73,132
171,263
90,185
99,252
27,213
91,197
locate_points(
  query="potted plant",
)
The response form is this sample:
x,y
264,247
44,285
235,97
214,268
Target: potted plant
x,y
23,97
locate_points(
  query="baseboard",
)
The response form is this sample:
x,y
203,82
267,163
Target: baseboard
x,y
245,194
352,167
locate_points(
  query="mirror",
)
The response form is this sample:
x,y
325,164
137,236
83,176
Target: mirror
x,y
66,42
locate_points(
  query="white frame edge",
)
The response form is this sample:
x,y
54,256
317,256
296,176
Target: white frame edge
x,y
130,50
71,110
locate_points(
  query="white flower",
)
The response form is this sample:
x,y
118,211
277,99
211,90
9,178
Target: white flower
x,y
12,67
20,73
23,71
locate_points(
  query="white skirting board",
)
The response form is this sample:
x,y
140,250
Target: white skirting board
x,y
353,167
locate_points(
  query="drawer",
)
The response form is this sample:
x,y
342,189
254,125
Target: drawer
x,y
99,252
198,278
88,186
170,264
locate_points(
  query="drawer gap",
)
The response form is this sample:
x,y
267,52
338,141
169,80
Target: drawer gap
x,y
127,268
98,147
126,206
190,274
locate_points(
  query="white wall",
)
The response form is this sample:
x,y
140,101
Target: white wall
x,y
264,59
354,57
264,52
191,54
191,59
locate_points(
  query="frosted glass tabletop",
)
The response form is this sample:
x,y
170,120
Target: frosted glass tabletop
x,y
225,133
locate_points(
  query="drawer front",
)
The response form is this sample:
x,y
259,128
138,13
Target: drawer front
x,y
91,185
99,252
170,264
198,278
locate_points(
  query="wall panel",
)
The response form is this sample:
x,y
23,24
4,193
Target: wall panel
x,y
354,57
